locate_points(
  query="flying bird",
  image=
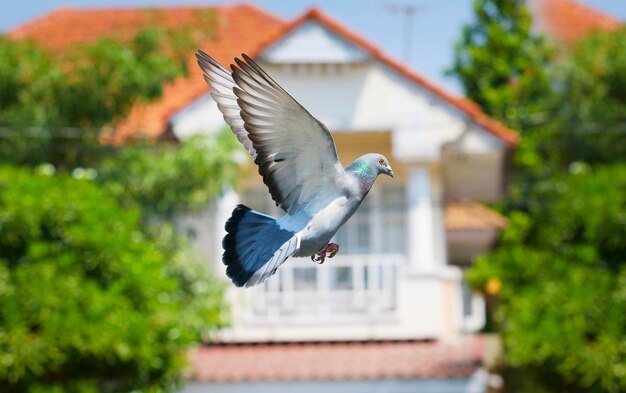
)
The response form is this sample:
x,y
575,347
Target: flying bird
x,y
297,159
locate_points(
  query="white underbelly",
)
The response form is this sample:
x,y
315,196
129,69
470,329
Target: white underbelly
x,y
323,226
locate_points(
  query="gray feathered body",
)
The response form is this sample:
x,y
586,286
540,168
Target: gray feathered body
x,y
330,213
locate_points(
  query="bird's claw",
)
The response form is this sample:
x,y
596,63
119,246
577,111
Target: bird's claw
x,y
318,258
329,251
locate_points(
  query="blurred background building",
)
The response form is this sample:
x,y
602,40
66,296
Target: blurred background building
x,y
395,294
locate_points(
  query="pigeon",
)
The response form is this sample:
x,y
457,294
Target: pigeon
x,y
297,158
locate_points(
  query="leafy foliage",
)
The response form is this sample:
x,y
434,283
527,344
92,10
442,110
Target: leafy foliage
x,y
585,119
563,269
560,263
171,179
502,65
591,117
86,86
54,105
87,301
98,291
560,266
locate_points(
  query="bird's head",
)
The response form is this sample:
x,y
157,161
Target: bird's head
x,y
383,165
376,164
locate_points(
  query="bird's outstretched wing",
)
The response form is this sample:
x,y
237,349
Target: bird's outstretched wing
x,y
295,152
222,85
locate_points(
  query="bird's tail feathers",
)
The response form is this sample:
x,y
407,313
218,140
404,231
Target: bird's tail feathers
x,y
255,246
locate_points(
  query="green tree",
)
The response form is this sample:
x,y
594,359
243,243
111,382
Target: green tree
x,y
591,116
54,104
88,303
53,107
502,65
562,265
561,259
171,179
98,292
86,85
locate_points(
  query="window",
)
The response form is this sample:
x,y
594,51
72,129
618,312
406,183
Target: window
x,y
355,236
393,220
378,226
361,278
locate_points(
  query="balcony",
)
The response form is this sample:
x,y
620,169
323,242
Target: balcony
x,y
347,288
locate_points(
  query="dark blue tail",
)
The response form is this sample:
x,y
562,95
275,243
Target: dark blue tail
x,y
251,240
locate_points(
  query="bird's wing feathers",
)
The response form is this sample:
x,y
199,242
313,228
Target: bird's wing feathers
x,y
295,153
222,85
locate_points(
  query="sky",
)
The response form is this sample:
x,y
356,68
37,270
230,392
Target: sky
x,y
436,24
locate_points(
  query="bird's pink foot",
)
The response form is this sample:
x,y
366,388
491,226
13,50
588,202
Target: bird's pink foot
x,y
332,249
329,251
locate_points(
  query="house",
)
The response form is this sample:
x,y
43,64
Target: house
x,y
399,272
396,288
566,21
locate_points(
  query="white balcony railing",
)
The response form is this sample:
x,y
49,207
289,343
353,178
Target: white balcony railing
x,y
343,288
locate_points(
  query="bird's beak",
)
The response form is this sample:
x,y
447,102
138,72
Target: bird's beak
x,y
389,171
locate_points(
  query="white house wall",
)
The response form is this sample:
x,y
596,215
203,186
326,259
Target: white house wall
x,y
312,43
473,176
365,96
201,117
331,93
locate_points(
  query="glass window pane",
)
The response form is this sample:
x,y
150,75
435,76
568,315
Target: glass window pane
x,y
393,218
363,238
393,199
355,236
393,233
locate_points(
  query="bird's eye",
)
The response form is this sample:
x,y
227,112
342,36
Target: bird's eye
x,y
381,161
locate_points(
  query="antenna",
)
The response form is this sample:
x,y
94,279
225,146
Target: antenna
x,y
408,11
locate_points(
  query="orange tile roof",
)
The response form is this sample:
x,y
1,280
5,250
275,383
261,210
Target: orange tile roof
x,y
239,28
567,21
461,216
337,361
470,108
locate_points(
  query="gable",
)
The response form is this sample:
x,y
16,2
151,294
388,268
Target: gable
x,y
312,43
334,33
309,58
